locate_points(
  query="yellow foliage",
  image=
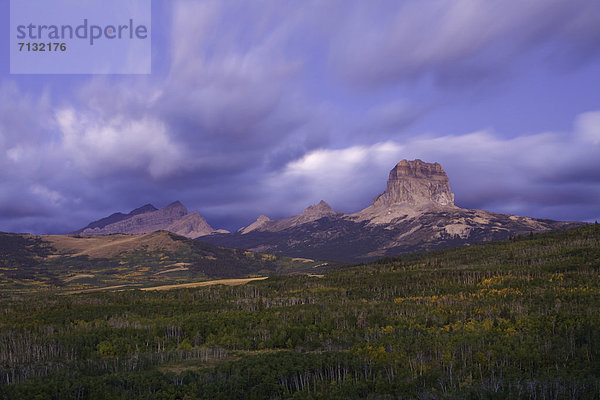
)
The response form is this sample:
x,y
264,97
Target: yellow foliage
x,y
497,292
580,290
386,330
557,277
494,280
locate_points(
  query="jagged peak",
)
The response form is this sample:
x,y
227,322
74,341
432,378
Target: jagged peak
x,y
143,209
322,208
191,225
260,221
262,218
196,215
173,218
176,206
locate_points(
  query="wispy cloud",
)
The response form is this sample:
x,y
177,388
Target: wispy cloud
x,y
464,39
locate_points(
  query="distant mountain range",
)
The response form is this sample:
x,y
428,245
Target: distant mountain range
x,y
173,218
416,212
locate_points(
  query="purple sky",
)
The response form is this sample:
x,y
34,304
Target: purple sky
x,y
266,107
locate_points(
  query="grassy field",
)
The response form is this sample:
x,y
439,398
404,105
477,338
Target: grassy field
x,y
226,282
112,245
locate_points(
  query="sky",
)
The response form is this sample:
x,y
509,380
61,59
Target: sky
x,y
268,106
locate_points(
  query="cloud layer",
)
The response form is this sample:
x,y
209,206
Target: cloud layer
x,y
265,108
554,173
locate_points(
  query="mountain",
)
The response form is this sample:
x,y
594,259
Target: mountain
x,y
416,183
259,223
310,214
416,212
116,217
173,218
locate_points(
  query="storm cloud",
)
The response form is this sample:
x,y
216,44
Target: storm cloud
x,y
267,107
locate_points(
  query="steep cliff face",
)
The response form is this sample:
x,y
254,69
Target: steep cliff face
x,y
416,183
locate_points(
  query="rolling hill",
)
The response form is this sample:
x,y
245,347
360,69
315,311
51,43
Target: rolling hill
x,y
75,262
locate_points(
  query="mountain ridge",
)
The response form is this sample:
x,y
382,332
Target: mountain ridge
x,y
116,217
174,218
416,212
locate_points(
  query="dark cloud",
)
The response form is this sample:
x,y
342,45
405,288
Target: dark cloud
x,y
486,171
230,127
463,41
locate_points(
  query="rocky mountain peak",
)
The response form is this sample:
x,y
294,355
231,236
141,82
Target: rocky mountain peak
x,y
322,209
262,218
176,207
259,223
415,213
416,183
116,217
173,218
311,213
143,209
191,225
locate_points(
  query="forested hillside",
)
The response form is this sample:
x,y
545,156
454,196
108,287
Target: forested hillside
x,y
514,319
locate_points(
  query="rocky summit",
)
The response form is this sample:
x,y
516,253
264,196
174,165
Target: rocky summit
x,y
311,213
416,183
173,218
416,212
